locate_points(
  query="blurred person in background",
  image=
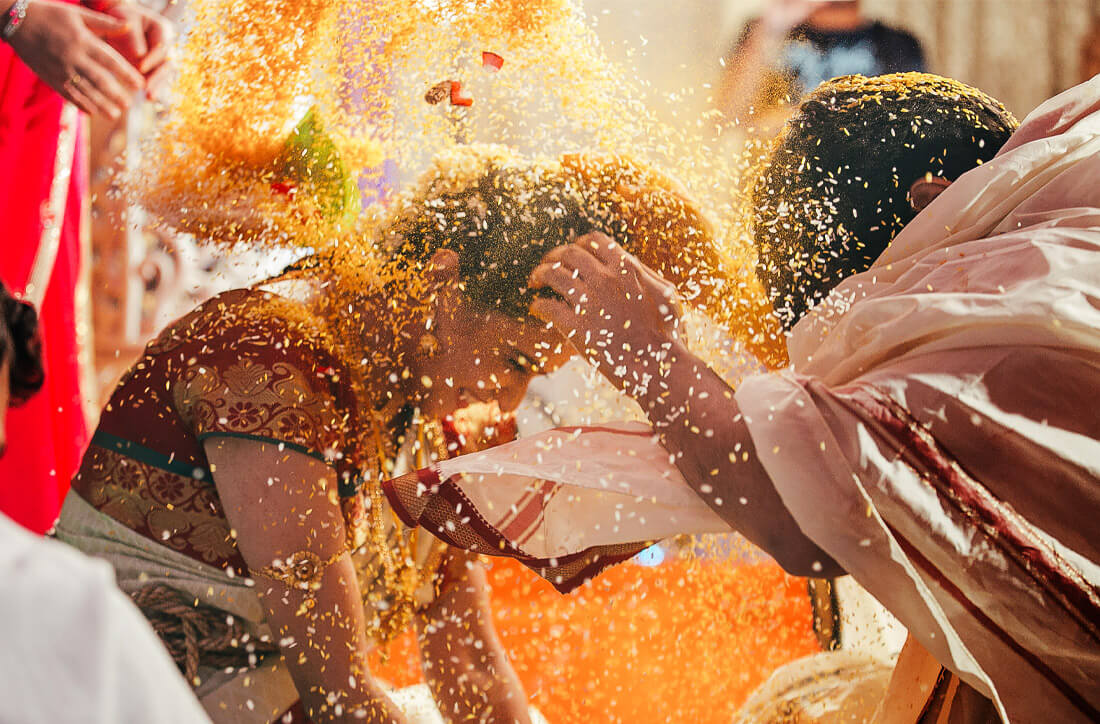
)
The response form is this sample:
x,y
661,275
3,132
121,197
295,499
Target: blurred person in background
x,y
56,59
795,45
75,648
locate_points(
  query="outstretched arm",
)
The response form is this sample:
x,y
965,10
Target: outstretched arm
x,y
755,55
463,660
623,318
286,515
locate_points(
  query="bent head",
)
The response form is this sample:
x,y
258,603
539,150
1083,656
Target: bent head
x,y
853,166
21,371
482,219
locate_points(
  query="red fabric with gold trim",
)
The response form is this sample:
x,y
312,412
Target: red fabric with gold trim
x,y
421,499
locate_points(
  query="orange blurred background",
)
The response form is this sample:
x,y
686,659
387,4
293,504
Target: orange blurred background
x,y
684,641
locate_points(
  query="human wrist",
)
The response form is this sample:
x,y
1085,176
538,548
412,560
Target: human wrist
x,y
14,13
663,399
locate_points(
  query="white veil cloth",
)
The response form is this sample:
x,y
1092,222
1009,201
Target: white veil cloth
x,y
937,434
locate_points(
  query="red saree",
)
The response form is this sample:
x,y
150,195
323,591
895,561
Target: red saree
x,y
43,179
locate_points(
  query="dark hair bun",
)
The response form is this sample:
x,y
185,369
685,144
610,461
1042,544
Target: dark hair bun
x,y
21,347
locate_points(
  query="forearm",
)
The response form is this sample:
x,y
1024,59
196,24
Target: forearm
x,y
696,415
463,660
745,70
475,685
623,318
322,638
291,535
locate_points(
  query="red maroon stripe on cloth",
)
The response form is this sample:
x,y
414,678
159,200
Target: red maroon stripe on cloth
x,y
1001,524
441,508
1040,667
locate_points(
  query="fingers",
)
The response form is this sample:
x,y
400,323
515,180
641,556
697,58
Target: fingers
x,y
103,25
557,314
158,34
78,98
156,80
651,281
110,101
101,88
575,258
603,248
116,65
557,277
137,41
614,257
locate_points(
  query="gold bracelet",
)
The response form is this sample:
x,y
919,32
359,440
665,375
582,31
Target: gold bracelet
x,y
302,570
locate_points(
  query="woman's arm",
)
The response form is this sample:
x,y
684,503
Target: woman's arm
x,y
463,660
283,508
628,315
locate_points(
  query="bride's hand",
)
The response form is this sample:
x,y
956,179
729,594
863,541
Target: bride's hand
x,y
616,311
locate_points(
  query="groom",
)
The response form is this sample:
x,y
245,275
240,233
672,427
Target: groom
x,y
936,435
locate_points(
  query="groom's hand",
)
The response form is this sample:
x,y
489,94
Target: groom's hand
x,y
614,310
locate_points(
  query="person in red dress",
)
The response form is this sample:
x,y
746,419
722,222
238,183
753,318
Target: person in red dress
x,y
56,59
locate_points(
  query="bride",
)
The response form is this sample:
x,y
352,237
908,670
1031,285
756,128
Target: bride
x,y
234,479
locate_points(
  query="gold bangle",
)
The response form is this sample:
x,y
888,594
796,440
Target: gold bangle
x,y
302,570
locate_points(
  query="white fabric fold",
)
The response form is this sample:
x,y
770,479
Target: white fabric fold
x,y
600,492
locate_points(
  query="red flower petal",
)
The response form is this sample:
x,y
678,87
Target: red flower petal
x,y
284,188
491,60
457,98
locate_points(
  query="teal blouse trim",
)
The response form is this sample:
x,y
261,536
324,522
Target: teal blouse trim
x,y
150,457
346,487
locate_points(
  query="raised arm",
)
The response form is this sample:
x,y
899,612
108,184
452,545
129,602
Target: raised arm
x,y
285,511
628,316
463,660
754,56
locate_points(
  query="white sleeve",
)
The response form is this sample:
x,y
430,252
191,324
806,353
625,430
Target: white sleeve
x,y
75,648
926,528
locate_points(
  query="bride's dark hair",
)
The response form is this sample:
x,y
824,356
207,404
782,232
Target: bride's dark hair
x,y
502,214
20,347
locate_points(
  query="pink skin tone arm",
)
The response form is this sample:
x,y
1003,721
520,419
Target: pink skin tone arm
x,y
463,660
628,315
282,503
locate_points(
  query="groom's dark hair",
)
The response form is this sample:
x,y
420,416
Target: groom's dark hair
x,y
834,191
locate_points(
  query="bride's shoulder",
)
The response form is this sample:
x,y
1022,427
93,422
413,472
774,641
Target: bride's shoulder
x,y
241,317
